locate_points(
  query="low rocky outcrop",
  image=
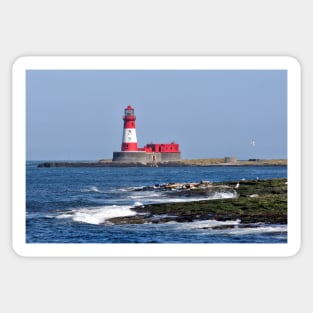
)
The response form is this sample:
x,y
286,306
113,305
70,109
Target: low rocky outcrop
x,y
269,206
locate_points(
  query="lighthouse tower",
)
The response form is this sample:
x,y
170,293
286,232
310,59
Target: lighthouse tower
x,y
150,154
129,142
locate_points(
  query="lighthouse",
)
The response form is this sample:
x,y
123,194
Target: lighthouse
x,y
151,154
129,142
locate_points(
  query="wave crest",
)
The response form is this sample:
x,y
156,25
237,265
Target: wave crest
x,y
97,215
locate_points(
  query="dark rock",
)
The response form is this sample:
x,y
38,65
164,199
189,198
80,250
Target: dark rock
x,y
269,207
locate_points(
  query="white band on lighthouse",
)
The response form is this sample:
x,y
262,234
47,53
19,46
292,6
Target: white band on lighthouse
x,y
129,135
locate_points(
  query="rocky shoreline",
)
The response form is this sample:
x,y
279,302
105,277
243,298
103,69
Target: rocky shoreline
x,y
255,201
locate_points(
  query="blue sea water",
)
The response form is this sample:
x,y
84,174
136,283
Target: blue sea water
x,y
72,205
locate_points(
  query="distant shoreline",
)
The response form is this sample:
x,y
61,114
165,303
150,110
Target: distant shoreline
x,y
193,162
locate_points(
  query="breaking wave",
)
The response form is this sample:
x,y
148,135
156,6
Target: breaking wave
x,y
232,227
100,214
208,224
162,197
258,229
96,215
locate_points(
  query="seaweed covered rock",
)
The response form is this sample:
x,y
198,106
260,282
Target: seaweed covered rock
x,y
257,201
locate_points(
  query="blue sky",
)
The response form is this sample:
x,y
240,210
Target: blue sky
x,y
77,114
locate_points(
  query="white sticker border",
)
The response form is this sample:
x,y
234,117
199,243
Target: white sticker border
x,y
23,64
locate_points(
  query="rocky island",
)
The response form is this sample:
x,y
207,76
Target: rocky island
x,y
254,201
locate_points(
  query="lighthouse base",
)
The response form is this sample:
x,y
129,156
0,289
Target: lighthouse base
x,y
129,157
145,157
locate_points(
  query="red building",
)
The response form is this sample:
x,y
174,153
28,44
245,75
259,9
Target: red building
x,y
162,147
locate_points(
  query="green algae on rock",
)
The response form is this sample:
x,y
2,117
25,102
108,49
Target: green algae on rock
x,y
256,201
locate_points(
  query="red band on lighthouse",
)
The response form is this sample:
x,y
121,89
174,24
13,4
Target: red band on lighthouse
x,y
129,141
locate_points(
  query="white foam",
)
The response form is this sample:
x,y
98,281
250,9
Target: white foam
x,y
92,189
217,195
157,197
130,188
146,195
209,224
234,229
97,215
223,195
138,204
64,215
121,189
258,230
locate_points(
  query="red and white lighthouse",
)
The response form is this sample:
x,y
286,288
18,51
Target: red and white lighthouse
x,y
150,154
129,142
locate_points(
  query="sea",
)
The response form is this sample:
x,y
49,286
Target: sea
x,y
73,205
